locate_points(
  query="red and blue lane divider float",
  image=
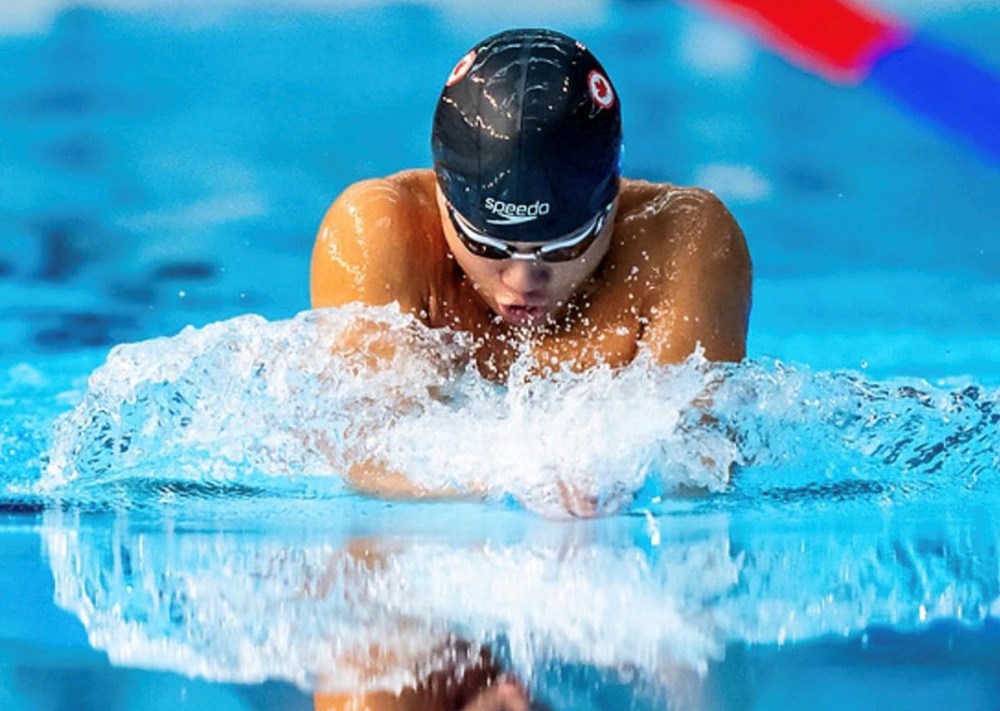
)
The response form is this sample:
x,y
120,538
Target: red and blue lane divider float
x,y
851,45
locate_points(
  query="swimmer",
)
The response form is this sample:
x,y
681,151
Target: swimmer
x,y
525,235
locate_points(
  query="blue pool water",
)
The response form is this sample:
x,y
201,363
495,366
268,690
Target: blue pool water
x,y
173,534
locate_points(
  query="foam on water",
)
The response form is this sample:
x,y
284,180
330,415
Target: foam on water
x,y
271,404
245,399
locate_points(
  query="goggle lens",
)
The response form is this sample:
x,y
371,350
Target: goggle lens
x,y
563,249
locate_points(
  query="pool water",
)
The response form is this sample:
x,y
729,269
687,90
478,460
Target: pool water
x,y
174,534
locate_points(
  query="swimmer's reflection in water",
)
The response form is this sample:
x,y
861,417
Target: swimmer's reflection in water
x,y
474,683
525,235
466,677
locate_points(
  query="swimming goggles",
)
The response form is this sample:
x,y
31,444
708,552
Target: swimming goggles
x,y
562,249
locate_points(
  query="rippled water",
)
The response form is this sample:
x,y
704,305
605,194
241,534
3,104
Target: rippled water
x,y
630,611
812,527
196,519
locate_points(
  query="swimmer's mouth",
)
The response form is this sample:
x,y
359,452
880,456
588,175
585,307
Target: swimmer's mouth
x,y
520,314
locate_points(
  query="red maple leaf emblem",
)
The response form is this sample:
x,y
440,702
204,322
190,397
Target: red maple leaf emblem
x,y
600,90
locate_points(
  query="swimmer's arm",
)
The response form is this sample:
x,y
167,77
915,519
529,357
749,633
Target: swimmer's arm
x,y
376,478
708,301
373,247
707,304
368,249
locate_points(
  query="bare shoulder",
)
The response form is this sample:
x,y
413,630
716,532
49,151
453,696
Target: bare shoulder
x,y
689,219
688,249
367,242
645,201
396,196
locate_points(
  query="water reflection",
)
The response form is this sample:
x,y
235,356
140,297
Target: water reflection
x,y
631,610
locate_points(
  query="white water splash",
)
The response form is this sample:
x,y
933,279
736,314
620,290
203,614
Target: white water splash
x,y
252,402
245,398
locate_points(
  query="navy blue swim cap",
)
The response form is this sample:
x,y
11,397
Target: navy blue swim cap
x,y
527,136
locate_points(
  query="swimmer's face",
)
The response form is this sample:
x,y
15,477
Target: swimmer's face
x,y
526,292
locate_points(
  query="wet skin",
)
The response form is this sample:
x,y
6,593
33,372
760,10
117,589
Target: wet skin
x,y
670,270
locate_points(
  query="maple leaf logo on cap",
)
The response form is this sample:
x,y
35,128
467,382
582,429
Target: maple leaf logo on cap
x,y
461,69
600,90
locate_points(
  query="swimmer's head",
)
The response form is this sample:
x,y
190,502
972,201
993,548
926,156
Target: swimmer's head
x,y
527,138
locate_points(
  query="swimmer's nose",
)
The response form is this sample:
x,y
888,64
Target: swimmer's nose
x,y
525,277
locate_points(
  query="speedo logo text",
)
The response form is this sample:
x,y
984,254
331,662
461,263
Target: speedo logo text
x,y
513,213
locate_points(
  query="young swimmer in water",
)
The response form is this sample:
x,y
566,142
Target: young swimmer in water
x,y
525,235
